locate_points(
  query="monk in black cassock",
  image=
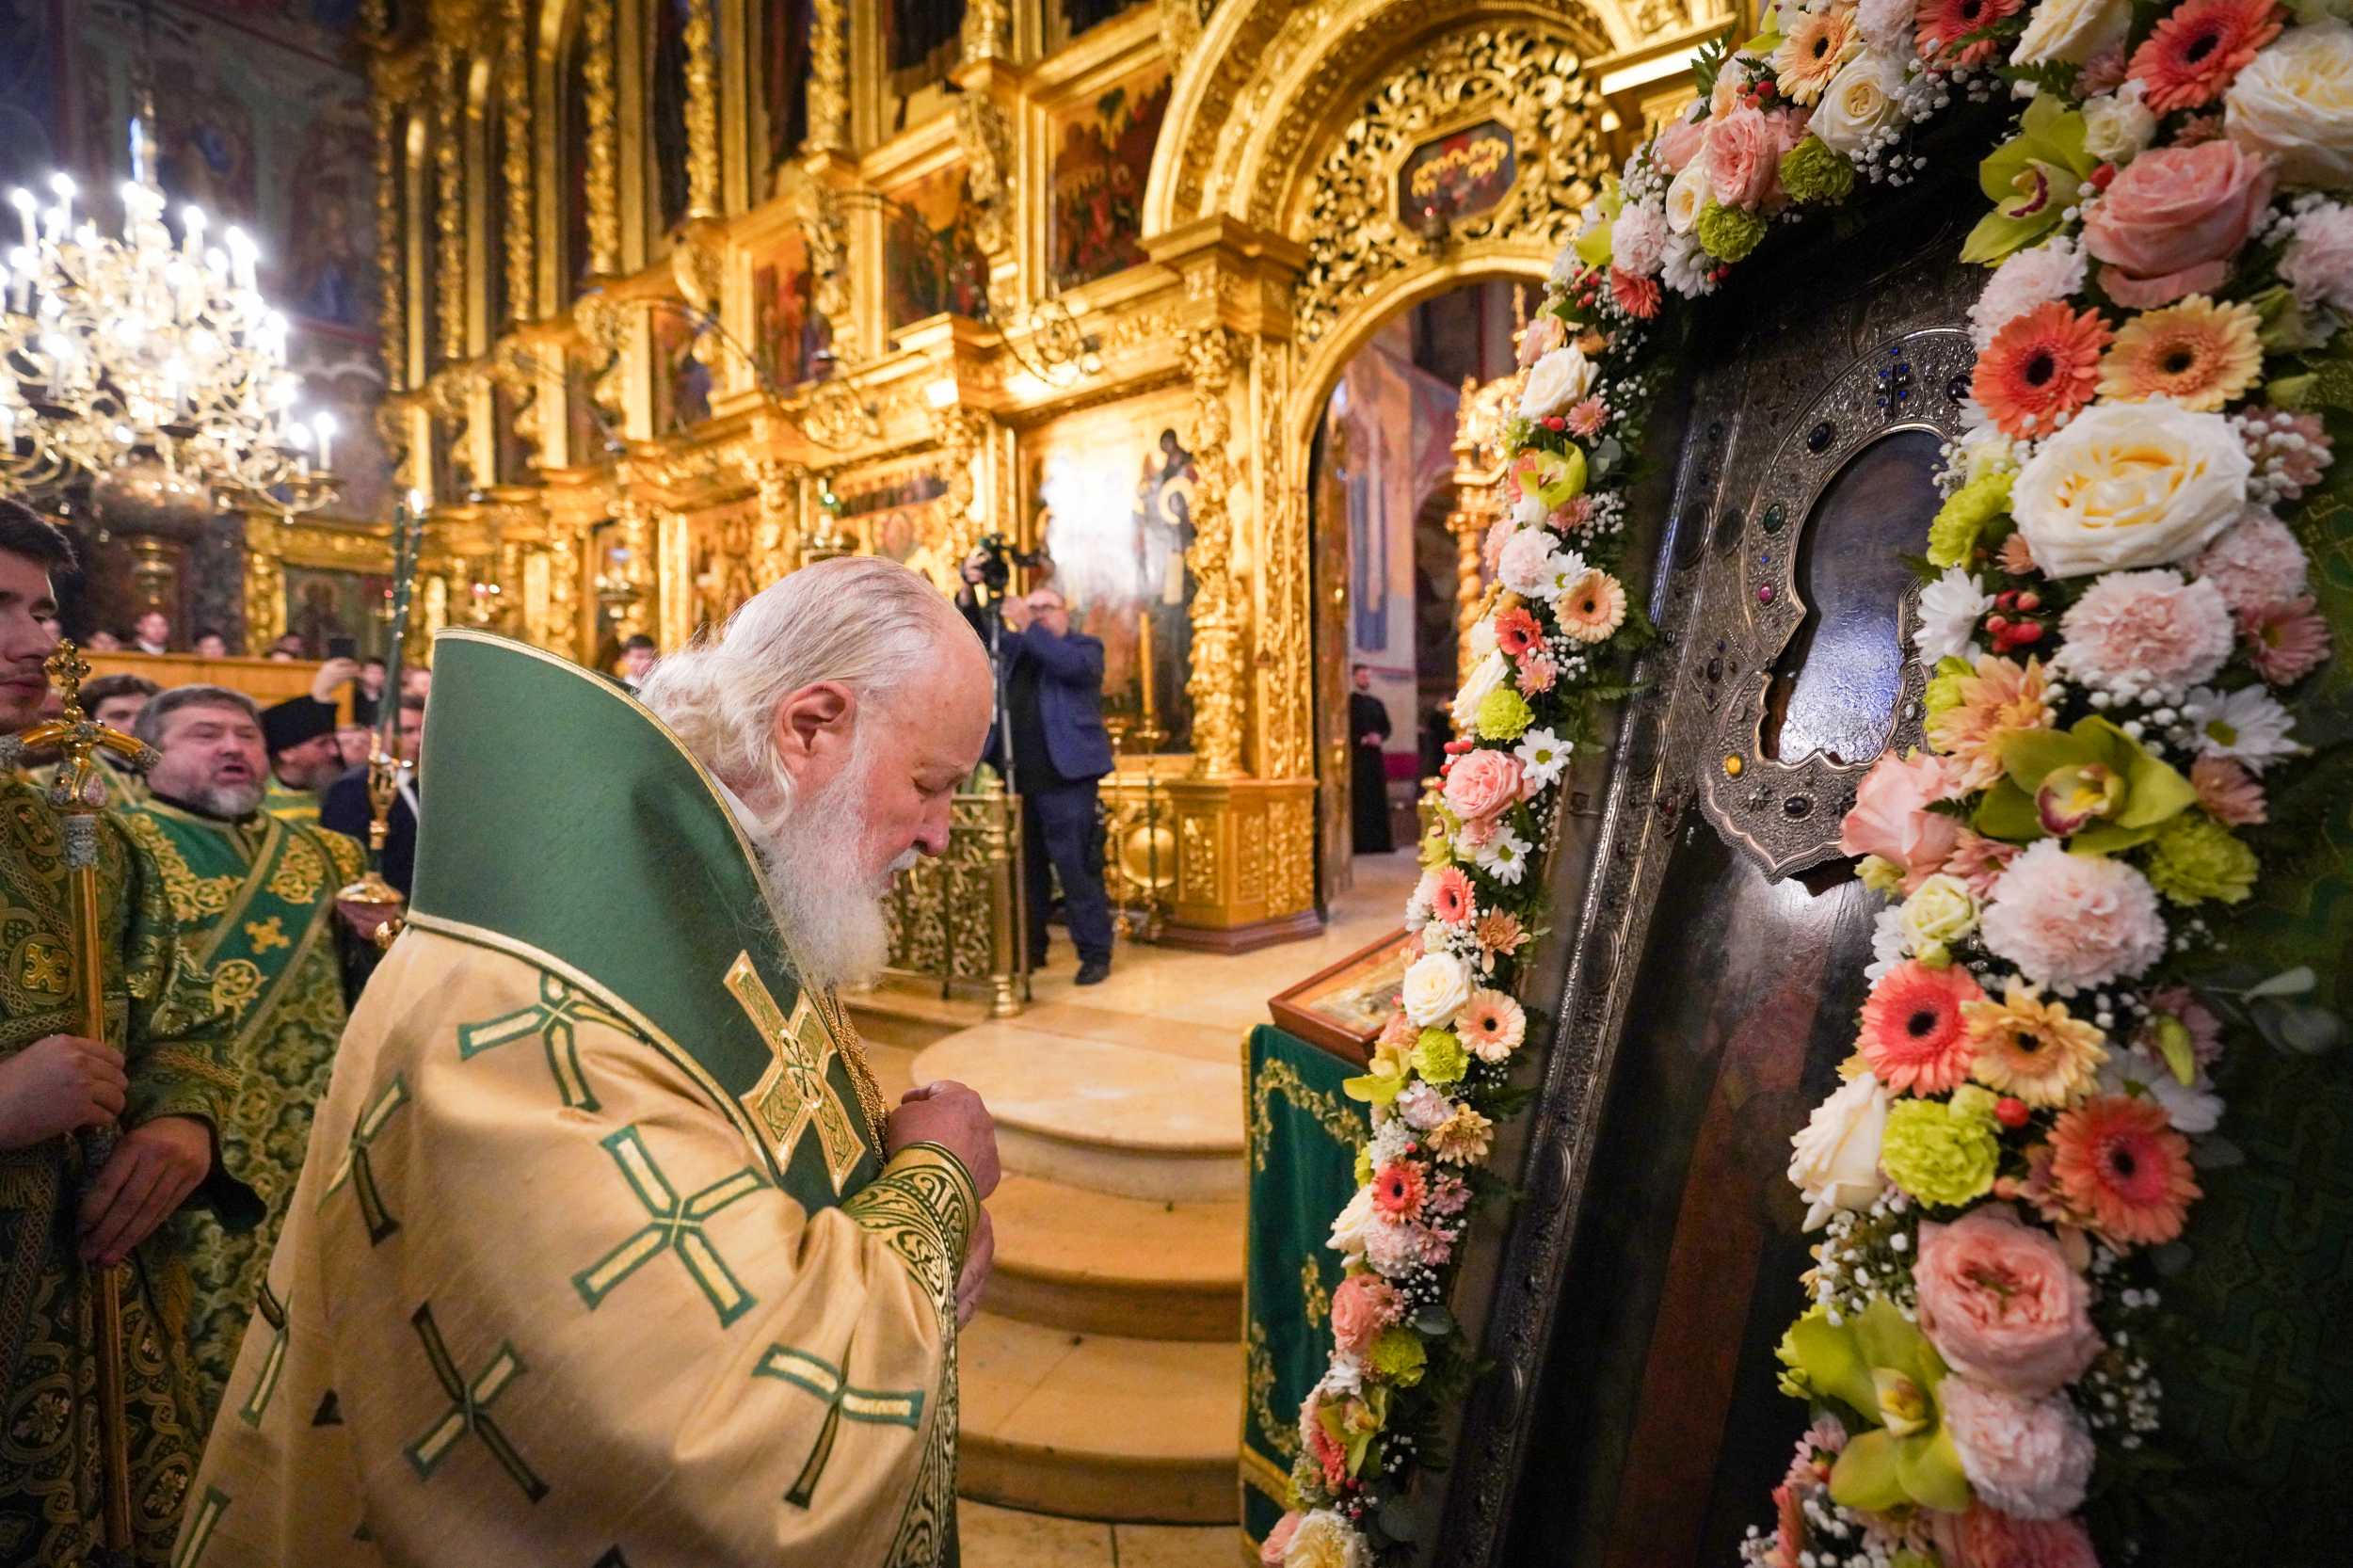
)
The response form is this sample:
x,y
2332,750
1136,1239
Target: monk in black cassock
x,y
1369,776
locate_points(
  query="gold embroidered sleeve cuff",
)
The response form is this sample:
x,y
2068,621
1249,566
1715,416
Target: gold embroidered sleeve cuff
x,y
924,1205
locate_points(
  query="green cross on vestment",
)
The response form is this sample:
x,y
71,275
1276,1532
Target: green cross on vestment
x,y
676,1225
550,1020
469,1408
842,1403
793,1094
354,1168
265,1383
202,1520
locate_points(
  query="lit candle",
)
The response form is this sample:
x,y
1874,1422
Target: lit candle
x,y
1143,659
416,503
22,199
63,186
323,424
192,231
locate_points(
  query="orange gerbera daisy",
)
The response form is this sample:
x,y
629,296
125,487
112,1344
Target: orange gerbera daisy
x,y
2117,1163
1816,45
2043,365
1913,1036
1941,24
1594,607
2032,1049
1999,699
1398,1191
1516,631
2194,53
2196,352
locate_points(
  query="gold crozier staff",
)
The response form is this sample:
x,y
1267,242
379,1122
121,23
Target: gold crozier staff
x,y
78,795
385,768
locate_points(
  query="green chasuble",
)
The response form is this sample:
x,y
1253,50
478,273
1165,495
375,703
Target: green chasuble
x,y
255,904
162,1014
291,805
594,1260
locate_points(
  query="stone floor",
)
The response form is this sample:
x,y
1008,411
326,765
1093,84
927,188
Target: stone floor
x,y
1081,1083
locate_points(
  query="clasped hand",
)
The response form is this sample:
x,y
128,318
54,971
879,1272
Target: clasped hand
x,y
953,1116
62,1083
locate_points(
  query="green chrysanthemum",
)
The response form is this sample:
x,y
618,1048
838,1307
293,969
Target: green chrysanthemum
x,y
1728,233
1943,1152
1810,171
1398,1357
1503,715
1439,1056
2195,858
1944,685
1954,534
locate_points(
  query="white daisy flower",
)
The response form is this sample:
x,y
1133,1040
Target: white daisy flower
x,y
1887,942
2248,724
1543,756
2193,1108
1562,573
1504,856
1949,609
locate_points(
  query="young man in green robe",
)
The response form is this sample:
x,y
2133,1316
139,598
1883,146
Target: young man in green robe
x,y
161,1072
254,897
608,1249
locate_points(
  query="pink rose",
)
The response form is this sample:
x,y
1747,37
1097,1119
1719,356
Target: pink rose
x,y
2000,1305
1890,817
1987,1538
1540,337
1678,144
1743,158
1278,1541
2169,224
1361,1308
1481,783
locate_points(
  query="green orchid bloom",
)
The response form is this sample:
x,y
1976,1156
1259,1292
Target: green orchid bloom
x,y
1557,477
2094,785
1354,1421
2032,180
1592,245
1887,1371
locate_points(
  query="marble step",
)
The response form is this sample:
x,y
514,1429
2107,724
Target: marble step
x,y
1133,1122
1099,1427
1094,1263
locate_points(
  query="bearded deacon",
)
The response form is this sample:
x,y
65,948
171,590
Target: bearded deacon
x,y
607,1249
253,895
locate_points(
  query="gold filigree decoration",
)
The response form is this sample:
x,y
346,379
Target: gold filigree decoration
x,y
1355,236
828,77
1211,355
514,167
1274,1077
1315,1302
702,112
1281,1435
987,30
449,202
986,137
393,306
602,110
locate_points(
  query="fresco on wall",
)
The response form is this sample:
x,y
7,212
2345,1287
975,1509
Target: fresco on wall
x,y
1114,490
681,382
901,510
323,604
931,262
1104,159
794,339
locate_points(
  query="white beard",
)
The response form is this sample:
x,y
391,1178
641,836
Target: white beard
x,y
226,800
827,910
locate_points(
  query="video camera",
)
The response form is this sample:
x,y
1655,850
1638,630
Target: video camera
x,y
997,571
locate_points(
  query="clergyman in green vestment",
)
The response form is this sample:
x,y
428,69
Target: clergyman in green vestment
x,y
254,896
607,1249
162,1071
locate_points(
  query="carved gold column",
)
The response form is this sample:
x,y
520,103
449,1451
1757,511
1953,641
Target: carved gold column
x,y
264,596
599,102
985,136
1478,480
828,77
449,200
777,537
514,167
1215,684
987,32
963,435
702,112
564,588
391,307
627,593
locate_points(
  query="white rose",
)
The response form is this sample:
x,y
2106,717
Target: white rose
x,y
1485,675
1687,193
1836,1164
1859,101
1352,1225
1482,636
2118,126
1436,987
2071,30
1325,1540
2296,102
2129,484
1940,912
1529,510
1555,381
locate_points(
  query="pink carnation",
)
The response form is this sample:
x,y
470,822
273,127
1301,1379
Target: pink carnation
x,y
2285,642
2318,264
1482,783
1977,861
2029,1458
1743,158
2256,562
1890,817
2053,270
1886,24
1638,241
2230,794
1524,563
1987,1538
2000,1304
2135,632
1678,144
1361,1308
2072,919
1586,418
2103,72
1490,553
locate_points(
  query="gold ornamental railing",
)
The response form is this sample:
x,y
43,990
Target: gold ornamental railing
x,y
953,922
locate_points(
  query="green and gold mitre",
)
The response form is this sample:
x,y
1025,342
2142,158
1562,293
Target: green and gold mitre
x,y
570,828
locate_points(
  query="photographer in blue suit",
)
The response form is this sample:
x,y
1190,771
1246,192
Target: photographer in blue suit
x,y
1053,685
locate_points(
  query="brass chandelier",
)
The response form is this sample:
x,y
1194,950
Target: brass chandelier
x,y
149,360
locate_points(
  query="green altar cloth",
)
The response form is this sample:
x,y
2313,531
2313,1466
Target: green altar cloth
x,y
1303,1137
